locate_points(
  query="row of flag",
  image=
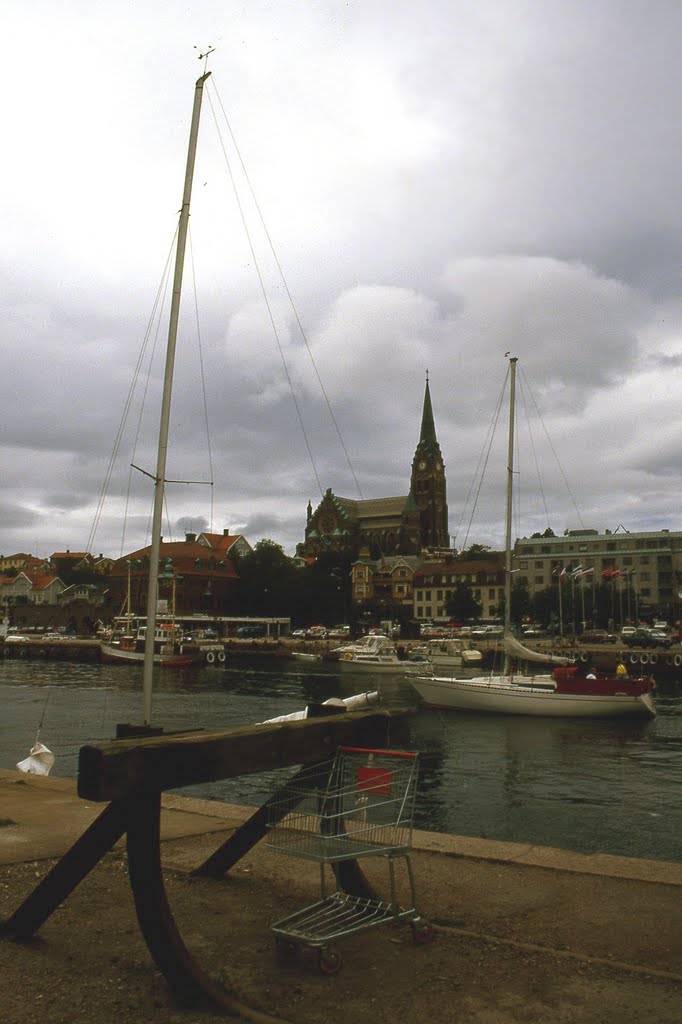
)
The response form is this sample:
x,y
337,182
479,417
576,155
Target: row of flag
x,y
611,572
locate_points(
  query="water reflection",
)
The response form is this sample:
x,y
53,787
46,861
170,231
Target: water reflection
x,y
585,785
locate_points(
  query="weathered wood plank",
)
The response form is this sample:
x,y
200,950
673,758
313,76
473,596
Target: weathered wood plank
x,y
112,770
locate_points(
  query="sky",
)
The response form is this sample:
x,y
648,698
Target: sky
x,y
382,189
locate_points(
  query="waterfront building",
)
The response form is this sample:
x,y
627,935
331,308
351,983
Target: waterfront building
x,y
434,583
377,528
384,586
645,568
195,575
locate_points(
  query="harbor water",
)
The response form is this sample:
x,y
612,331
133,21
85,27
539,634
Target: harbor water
x,y
609,786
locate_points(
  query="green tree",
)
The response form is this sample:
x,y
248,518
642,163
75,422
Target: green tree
x,y
476,551
520,602
462,604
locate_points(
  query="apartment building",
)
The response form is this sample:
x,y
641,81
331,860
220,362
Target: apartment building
x,y
649,564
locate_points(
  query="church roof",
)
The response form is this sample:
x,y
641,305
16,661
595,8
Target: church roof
x,y
372,508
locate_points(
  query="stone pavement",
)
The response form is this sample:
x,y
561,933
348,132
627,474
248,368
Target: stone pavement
x,y
555,913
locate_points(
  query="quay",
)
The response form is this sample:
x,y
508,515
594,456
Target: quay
x,y
604,657
521,933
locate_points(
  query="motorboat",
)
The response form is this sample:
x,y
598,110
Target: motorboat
x,y
449,653
373,653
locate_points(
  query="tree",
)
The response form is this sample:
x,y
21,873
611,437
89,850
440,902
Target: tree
x,y
462,605
267,580
520,602
475,551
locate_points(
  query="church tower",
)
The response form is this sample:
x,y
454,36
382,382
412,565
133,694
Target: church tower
x,y
427,483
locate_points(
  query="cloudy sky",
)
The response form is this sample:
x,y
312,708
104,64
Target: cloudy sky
x,y
442,183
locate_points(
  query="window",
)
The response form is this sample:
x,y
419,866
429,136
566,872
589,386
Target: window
x,y
539,580
539,565
491,594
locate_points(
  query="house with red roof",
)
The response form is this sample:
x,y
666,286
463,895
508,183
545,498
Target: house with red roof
x,y
195,575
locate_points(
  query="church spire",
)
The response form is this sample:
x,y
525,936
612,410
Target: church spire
x,y
427,483
427,436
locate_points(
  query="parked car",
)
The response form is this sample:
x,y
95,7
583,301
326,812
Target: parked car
x,y
487,632
339,633
251,631
647,638
596,636
316,633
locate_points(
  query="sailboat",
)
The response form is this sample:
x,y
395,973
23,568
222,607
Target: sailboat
x,y
562,692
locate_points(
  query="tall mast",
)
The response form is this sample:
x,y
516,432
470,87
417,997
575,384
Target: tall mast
x,y
510,480
160,478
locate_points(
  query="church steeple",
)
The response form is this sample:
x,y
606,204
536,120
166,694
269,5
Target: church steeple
x,y
427,437
427,483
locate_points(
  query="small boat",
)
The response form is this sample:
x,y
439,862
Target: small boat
x,y
452,653
561,692
371,654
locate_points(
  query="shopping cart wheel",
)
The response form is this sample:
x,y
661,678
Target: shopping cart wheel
x,y
286,949
422,931
329,960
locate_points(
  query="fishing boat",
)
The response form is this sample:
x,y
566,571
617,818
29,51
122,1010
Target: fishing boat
x,y
562,691
127,644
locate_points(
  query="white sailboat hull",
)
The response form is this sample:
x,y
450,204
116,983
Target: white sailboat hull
x,y
539,699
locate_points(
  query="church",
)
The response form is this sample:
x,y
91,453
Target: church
x,y
380,527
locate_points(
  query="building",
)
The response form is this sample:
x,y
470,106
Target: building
x,y
434,583
645,568
380,527
28,588
384,587
195,575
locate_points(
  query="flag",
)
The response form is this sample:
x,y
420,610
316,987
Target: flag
x,y
578,571
586,572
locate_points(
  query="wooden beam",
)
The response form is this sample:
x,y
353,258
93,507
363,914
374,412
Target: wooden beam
x,y
113,770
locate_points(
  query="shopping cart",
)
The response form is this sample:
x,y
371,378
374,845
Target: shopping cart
x,y
359,804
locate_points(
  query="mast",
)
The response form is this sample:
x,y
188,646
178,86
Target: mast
x,y
510,481
160,478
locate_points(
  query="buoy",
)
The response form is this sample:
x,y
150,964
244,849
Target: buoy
x,y
678,660
644,659
221,656
634,659
210,657
584,657
653,659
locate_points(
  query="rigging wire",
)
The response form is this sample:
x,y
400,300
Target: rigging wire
x,y
126,411
482,464
280,270
202,375
524,398
265,297
556,458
